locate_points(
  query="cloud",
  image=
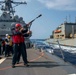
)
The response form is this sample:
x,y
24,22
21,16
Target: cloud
x,y
27,0
59,4
22,0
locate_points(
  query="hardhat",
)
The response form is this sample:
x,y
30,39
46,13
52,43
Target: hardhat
x,y
18,25
9,37
6,35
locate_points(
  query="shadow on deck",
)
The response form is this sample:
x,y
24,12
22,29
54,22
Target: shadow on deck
x,y
46,64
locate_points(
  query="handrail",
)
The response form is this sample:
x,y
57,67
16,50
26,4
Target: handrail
x,y
61,50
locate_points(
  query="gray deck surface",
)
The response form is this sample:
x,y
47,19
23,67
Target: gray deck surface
x,y
41,63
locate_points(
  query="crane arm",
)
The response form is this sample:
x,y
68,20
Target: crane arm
x,y
19,2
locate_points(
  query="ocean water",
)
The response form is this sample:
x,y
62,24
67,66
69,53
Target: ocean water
x,y
68,56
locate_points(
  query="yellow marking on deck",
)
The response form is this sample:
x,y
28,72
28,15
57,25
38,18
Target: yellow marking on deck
x,y
1,60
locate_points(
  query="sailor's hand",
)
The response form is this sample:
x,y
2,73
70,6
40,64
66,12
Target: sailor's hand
x,y
29,32
21,29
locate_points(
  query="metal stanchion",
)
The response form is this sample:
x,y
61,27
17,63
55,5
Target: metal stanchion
x,y
61,51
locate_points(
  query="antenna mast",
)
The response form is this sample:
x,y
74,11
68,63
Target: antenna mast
x,y
69,18
75,19
7,7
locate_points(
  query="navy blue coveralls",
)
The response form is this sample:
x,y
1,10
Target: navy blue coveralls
x,y
18,47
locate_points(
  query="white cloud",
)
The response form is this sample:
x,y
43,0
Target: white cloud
x,y
19,0
56,4
22,0
59,4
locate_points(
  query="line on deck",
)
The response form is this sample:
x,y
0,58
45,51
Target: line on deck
x,y
71,74
1,60
21,63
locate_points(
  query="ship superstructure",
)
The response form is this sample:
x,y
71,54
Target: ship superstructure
x,y
7,17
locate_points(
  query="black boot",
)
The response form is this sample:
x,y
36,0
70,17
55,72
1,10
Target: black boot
x,y
13,66
26,64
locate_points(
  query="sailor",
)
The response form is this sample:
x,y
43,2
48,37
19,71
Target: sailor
x,y
0,46
3,45
7,46
25,33
10,44
18,46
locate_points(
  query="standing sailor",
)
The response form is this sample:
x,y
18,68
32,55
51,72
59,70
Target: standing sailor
x,y
18,46
7,50
25,33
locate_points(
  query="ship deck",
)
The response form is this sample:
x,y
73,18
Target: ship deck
x,y
41,63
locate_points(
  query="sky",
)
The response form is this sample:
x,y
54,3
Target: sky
x,y
54,12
